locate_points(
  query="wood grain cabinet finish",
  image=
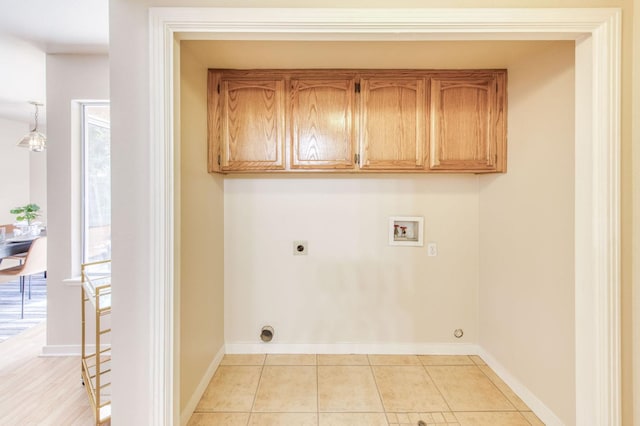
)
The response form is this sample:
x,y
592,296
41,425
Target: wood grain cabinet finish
x,y
321,119
357,121
467,129
392,129
252,125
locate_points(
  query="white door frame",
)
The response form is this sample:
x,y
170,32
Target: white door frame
x,y
597,35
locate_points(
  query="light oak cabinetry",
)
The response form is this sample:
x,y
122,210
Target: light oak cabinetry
x,y
321,120
467,122
357,120
250,126
392,129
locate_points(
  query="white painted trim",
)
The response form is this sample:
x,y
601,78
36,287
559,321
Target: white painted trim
x,y
598,59
352,348
543,412
60,350
161,118
67,350
188,410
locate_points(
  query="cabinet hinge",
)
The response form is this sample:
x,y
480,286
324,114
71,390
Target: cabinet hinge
x,y
356,159
357,87
218,159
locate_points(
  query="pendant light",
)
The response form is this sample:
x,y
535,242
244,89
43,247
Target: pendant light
x,y
34,140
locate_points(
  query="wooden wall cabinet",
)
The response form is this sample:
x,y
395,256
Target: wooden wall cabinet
x,y
321,119
250,127
392,129
357,120
467,126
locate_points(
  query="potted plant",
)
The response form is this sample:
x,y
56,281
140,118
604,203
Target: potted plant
x,y
28,213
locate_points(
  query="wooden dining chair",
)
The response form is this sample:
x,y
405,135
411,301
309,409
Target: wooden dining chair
x,y
9,228
34,263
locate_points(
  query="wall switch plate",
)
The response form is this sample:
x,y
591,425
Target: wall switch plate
x,y
300,248
432,249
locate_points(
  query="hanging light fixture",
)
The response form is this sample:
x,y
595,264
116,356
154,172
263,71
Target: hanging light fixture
x,y
34,140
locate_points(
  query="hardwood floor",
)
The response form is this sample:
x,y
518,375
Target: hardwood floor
x,y
37,390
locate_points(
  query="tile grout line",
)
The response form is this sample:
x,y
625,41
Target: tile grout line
x,y
439,391
499,390
384,409
317,392
255,395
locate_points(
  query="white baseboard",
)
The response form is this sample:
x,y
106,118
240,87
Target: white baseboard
x,y
67,350
352,348
202,386
543,412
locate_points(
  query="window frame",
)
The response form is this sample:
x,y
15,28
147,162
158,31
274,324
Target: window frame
x,y
85,123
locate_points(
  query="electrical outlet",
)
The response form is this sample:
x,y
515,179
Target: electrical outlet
x,y
300,248
432,249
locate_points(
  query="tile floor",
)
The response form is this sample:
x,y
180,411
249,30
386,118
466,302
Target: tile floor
x,y
353,390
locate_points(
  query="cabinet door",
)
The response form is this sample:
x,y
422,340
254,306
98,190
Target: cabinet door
x,y
252,125
322,123
392,131
467,122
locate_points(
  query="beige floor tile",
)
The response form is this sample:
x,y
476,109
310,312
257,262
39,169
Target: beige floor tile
x,y
394,360
347,389
449,418
287,389
343,360
430,419
445,360
495,418
506,390
283,419
403,418
287,359
232,388
532,418
477,360
233,359
353,419
466,388
407,389
219,419
438,418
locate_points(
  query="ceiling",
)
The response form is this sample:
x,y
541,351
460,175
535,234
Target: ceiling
x,y
60,26
31,29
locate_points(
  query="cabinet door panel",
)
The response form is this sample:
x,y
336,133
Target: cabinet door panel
x,y
253,125
393,124
322,117
467,129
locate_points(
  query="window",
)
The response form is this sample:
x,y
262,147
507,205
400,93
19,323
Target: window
x,y
96,181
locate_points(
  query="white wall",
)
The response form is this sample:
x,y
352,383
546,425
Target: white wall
x,y
22,79
69,77
352,287
14,169
527,234
130,237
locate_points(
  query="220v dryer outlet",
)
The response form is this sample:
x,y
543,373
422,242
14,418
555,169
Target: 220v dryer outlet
x,y
300,248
